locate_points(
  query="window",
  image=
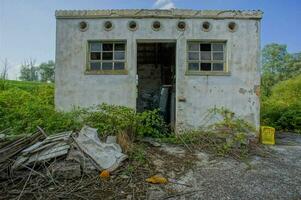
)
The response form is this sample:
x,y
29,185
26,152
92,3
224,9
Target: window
x,y
181,25
106,55
132,25
156,25
206,57
83,26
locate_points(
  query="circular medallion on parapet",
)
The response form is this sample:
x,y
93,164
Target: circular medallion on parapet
x,y
156,25
132,26
108,25
181,26
206,26
232,26
83,26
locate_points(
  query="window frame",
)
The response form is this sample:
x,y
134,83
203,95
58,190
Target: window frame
x,y
112,71
225,71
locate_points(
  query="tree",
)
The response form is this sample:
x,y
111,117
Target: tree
x,y
277,65
3,75
47,71
29,72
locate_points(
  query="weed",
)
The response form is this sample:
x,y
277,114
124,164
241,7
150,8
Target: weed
x,y
138,154
227,137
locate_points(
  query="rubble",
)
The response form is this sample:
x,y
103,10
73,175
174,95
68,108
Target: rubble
x,y
77,151
11,148
52,147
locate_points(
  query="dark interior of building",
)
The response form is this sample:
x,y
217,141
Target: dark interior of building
x,y
156,78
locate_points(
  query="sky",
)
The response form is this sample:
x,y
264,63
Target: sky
x,y
27,27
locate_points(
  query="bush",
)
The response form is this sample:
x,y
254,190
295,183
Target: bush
x,y
283,108
22,112
112,119
23,108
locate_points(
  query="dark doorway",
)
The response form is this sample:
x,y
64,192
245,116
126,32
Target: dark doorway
x,y
156,78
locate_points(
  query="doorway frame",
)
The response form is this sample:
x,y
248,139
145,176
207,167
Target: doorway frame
x,y
175,42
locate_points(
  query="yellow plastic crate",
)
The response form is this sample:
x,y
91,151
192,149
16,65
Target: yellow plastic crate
x,y
267,135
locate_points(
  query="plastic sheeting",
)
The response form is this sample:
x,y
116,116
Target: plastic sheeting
x,y
104,155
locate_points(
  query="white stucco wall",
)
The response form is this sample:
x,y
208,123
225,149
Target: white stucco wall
x,y
237,91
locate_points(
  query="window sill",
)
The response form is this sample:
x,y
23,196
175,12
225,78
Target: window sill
x,y
196,73
106,72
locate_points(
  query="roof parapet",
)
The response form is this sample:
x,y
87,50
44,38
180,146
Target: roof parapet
x,y
157,13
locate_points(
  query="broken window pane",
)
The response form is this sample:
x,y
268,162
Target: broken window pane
x,y
95,65
193,47
205,47
95,56
206,55
95,46
119,65
107,66
217,47
193,56
119,47
107,47
205,66
218,56
218,66
119,55
107,56
193,66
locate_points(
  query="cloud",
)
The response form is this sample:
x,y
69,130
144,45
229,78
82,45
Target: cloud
x,y
164,4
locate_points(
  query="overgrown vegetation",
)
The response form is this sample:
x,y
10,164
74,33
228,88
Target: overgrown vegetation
x,y
281,85
229,136
26,105
282,109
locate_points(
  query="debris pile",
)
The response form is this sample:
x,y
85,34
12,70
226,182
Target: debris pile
x,y
70,150
70,165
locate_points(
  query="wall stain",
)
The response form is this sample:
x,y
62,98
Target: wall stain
x,y
242,90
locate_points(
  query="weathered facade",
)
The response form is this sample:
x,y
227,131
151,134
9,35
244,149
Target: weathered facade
x,y
206,59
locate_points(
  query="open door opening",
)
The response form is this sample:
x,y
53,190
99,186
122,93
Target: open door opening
x,y
156,79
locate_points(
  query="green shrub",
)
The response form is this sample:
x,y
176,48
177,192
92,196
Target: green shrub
x,y
109,119
282,109
151,124
23,112
22,109
112,119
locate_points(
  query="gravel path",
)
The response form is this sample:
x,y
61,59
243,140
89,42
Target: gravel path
x,y
275,177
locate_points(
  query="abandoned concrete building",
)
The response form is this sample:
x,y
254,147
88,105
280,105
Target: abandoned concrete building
x,y
183,62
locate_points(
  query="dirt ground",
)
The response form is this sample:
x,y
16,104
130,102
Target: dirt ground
x,y
277,176
199,175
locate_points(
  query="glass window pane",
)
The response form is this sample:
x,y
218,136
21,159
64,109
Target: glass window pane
x,y
95,56
218,66
205,66
218,56
107,56
193,47
107,66
205,47
95,65
119,47
206,55
119,65
119,55
193,56
217,47
193,66
107,47
95,46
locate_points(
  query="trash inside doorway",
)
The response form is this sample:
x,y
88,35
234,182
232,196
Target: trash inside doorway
x,y
156,79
